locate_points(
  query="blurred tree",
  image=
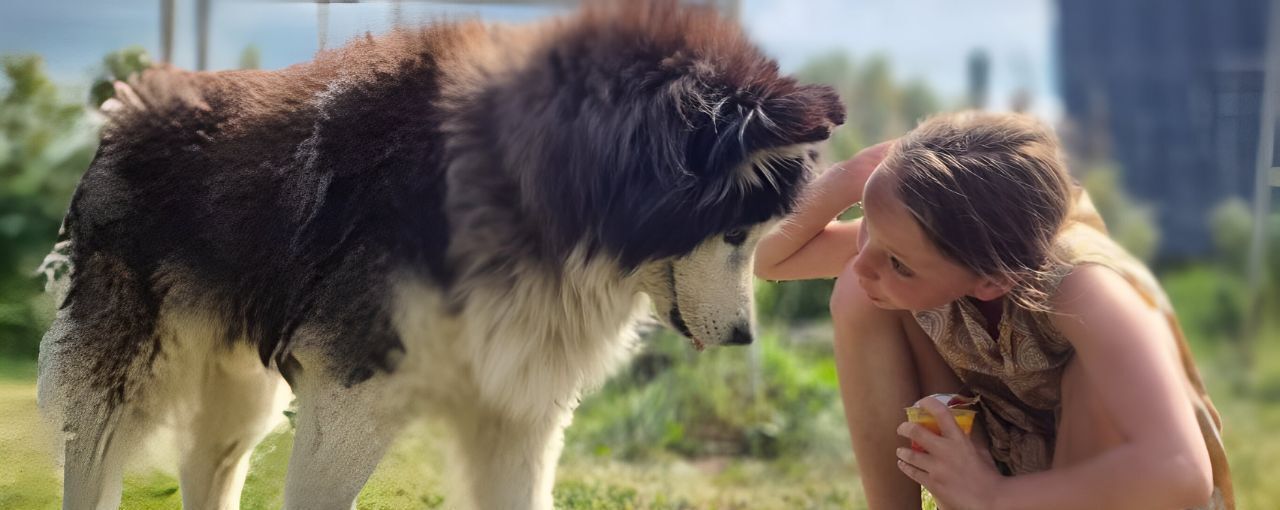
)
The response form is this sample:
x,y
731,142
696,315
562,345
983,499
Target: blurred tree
x,y
251,57
1231,224
979,77
1132,224
1273,270
876,102
918,102
45,144
877,106
117,66
836,69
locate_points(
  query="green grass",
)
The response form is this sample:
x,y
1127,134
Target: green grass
x,y
412,474
649,442
20,371
1250,423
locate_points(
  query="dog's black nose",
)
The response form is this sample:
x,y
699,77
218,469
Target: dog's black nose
x,y
741,336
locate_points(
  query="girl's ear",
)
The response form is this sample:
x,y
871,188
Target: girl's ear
x,y
992,287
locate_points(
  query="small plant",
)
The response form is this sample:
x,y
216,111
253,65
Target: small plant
x,y
583,496
723,402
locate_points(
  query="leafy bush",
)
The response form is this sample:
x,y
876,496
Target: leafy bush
x,y
783,400
1130,223
1209,304
45,144
117,66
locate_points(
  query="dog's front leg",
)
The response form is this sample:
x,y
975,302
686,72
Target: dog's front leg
x,y
511,462
342,433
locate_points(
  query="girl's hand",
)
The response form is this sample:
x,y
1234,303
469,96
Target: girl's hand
x,y
959,474
811,243
857,170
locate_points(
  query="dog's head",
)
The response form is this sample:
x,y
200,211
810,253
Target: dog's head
x,y
669,143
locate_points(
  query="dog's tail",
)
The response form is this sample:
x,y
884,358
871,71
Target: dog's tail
x,y
56,267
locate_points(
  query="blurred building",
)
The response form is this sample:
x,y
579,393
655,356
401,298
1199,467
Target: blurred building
x,y
1172,92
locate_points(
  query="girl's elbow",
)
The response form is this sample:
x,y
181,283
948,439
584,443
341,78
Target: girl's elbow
x,y
1199,488
1191,480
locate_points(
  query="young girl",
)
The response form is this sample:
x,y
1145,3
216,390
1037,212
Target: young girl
x,y
979,267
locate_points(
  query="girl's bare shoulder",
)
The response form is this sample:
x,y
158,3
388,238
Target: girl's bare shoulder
x,y
1095,300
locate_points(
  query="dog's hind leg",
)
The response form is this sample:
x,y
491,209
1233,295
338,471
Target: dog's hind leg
x,y
237,402
342,433
93,428
95,365
98,442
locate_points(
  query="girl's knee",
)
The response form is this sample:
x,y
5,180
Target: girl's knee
x,y
858,325
849,302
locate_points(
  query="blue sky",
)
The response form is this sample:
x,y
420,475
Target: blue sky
x,y
924,39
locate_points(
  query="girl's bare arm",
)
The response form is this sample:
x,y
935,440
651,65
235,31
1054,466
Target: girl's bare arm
x,y
1126,348
809,244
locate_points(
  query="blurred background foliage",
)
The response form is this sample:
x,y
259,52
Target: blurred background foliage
x,y
46,142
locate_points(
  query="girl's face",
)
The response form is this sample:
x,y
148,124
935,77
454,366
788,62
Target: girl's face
x,y
898,266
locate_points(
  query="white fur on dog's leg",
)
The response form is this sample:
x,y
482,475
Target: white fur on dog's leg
x,y
341,435
98,442
93,481
96,433
239,403
511,464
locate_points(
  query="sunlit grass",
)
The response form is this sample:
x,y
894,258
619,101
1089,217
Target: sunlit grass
x,y
601,469
413,474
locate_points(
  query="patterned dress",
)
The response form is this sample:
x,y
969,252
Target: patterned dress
x,y
1018,373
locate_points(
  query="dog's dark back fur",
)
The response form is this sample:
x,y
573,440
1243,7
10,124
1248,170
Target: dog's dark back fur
x,y
260,184
621,132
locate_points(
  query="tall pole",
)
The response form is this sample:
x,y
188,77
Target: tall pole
x,y
397,14
1269,117
202,34
322,22
167,15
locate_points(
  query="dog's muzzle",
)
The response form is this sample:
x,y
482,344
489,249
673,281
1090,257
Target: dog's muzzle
x,y
741,336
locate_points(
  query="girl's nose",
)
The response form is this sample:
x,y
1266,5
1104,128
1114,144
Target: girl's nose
x,y
862,266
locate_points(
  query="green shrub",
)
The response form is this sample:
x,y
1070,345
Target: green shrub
x,y
778,400
46,142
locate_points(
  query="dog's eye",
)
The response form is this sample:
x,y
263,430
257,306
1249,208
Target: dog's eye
x,y
736,237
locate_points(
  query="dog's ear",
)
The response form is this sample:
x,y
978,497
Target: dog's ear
x,y
806,115
743,124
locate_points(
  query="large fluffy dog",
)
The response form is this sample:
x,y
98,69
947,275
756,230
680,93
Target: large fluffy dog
x,y
464,221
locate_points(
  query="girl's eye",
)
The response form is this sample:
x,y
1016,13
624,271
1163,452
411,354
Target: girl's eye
x,y
897,266
736,237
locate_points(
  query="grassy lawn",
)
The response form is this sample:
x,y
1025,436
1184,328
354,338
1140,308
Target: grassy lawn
x,y
593,473
1250,425
413,473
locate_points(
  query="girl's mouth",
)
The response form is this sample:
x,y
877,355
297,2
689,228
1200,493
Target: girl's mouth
x,y
870,295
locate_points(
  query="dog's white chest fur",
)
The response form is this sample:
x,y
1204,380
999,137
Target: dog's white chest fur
x,y
526,350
